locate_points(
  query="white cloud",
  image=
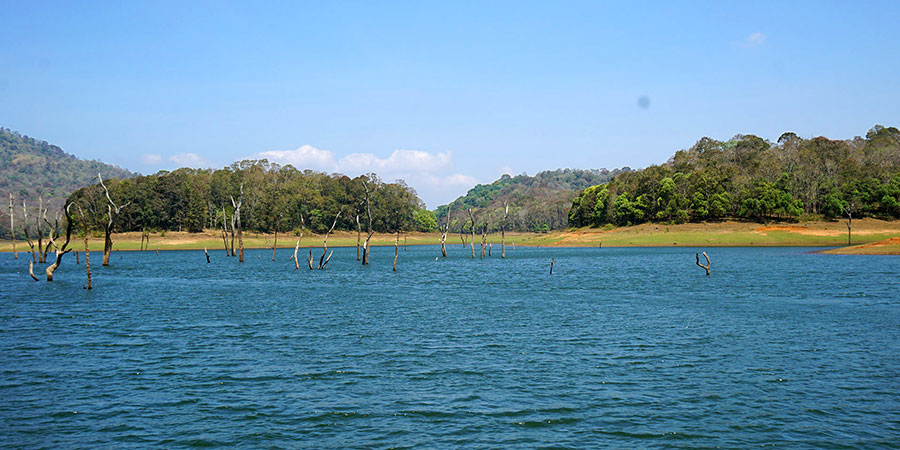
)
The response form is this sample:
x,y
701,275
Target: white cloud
x,y
151,159
431,174
458,179
399,161
188,160
305,157
752,40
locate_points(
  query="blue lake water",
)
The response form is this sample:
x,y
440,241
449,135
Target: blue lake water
x,y
619,348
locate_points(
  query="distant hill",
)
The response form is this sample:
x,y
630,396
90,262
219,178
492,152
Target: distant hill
x,y
31,167
536,203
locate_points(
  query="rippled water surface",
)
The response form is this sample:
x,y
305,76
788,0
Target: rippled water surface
x,y
619,348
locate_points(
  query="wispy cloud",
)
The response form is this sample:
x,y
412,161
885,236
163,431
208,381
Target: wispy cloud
x,y
752,40
151,159
189,160
431,174
304,157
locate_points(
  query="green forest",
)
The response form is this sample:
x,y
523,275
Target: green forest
x,y
749,178
273,198
536,203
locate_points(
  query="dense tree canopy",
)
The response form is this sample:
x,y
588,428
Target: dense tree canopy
x,y
536,203
275,197
750,178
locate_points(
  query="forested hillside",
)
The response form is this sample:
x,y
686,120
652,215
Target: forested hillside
x,y
749,178
274,197
30,168
536,203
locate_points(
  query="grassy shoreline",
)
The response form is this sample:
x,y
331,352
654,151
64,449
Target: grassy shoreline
x,y
866,232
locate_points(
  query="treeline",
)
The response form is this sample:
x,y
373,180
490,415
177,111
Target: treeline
x,y
536,203
273,197
749,178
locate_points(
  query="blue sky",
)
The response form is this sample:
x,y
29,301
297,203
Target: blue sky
x,y
442,95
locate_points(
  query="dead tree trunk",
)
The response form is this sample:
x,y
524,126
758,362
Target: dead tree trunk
x,y
369,231
225,232
87,250
503,230
551,266
40,230
849,213
237,214
114,211
297,248
358,234
322,260
52,234
31,270
77,261
233,253
707,262
309,260
12,227
396,250
444,233
484,227
472,218
275,244
60,250
25,228
207,254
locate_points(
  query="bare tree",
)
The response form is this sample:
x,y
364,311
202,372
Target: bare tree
x,y
225,232
444,231
12,227
63,249
462,234
847,210
52,233
358,234
87,250
707,262
472,243
237,215
275,244
396,249
503,230
322,260
484,227
31,270
40,229
25,228
369,230
114,211
296,248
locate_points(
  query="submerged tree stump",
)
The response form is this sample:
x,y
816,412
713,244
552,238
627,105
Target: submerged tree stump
x,y
31,270
707,262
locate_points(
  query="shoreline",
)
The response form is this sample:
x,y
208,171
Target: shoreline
x,y
870,236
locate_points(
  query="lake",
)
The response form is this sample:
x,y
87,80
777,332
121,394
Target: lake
x,y
618,348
